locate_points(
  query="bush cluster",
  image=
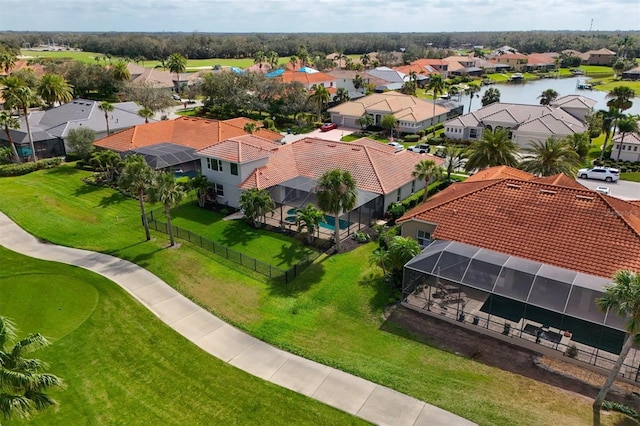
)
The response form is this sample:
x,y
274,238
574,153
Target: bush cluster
x,y
620,408
624,166
26,168
411,138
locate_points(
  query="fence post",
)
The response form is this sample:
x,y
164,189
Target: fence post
x,y
255,264
200,240
227,250
152,215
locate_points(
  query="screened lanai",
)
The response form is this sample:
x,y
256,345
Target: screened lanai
x,y
518,297
167,155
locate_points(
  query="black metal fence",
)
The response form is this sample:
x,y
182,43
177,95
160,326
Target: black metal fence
x,y
235,256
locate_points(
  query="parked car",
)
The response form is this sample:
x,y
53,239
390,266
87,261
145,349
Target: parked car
x,y
396,145
421,148
176,97
328,126
601,173
604,190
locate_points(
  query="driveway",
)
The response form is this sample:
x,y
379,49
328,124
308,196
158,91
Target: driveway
x,y
622,189
331,135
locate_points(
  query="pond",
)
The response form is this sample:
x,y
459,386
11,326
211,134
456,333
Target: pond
x,y
528,92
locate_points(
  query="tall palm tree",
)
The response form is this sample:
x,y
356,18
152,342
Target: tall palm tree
x,y
54,88
256,204
272,58
106,107
491,96
626,125
623,298
319,97
8,122
550,157
201,185
336,193
453,156
436,85
621,98
609,120
303,55
293,60
176,63
342,96
146,113
472,91
495,148
426,170
17,95
548,96
120,71
136,178
309,218
164,189
389,122
365,120
358,82
23,381
580,143
258,57
7,61
365,59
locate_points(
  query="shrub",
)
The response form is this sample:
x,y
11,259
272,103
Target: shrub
x,y
361,237
571,351
411,138
421,133
26,168
621,408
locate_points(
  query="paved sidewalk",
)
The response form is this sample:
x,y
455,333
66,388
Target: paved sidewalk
x,y
372,402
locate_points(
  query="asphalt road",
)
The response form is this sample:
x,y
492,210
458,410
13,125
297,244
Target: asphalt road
x,y
622,189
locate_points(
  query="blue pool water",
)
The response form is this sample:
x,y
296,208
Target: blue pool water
x,y
292,211
331,222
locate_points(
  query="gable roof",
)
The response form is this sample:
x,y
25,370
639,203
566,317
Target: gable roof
x,y
629,138
387,74
574,101
241,149
547,220
376,167
404,107
193,132
307,79
158,77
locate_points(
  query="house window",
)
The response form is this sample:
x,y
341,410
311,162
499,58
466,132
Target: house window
x,y
616,147
635,148
214,164
399,194
473,133
413,186
219,189
234,169
423,238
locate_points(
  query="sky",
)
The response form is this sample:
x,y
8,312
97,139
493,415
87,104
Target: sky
x,y
285,16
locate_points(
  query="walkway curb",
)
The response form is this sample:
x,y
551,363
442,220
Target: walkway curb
x,y
356,396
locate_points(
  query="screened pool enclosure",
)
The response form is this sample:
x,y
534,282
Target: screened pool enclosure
x,y
545,304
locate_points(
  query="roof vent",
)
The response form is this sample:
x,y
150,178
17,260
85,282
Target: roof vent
x,y
547,191
355,149
584,198
332,145
513,186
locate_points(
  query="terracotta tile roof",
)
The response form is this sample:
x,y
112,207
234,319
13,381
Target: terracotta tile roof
x,y
241,149
23,64
500,172
561,180
375,167
404,107
569,227
512,56
629,138
437,62
193,132
540,59
307,79
418,69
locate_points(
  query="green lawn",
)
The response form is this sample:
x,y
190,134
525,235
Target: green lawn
x,y
122,365
88,57
632,176
606,84
596,70
332,313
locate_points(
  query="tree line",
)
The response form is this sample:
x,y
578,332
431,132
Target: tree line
x,y
209,45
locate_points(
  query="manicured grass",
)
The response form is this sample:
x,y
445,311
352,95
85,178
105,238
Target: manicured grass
x,y
122,365
632,176
607,84
331,313
275,249
597,70
504,78
88,57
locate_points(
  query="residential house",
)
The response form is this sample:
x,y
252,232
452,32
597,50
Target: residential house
x,y
160,78
173,143
632,74
413,114
394,79
309,77
540,62
290,173
515,61
526,123
598,57
344,80
467,65
630,150
509,254
23,64
50,128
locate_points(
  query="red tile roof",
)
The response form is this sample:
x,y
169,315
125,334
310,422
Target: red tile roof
x,y
193,132
557,224
307,79
500,172
375,167
241,149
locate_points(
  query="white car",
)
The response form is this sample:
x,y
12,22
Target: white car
x,y
396,145
176,97
603,190
601,173
421,148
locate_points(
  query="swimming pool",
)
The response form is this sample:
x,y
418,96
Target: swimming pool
x,y
331,222
291,219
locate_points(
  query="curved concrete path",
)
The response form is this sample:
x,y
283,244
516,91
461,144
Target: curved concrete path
x,y
362,398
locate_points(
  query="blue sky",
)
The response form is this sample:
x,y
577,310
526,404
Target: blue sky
x,y
318,15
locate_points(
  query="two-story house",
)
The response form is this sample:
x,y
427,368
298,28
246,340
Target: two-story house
x,y
515,61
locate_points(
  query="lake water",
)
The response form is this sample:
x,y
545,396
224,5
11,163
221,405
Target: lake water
x,y
528,92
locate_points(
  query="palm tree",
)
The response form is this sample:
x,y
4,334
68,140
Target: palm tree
x,y
453,156
256,203
8,122
136,178
550,157
342,96
258,57
108,163
436,85
107,107
365,59
164,189
23,381
54,88
365,120
626,125
336,193
358,82
380,257
623,298
176,63
491,96
495,148
7,61
202,186
472,91
548,96
320,97
389,122
272,58
250,127
609,119
621,98
426,170
400,251
580,143
120,71
146,113
303,55
293,60
310,218
17,95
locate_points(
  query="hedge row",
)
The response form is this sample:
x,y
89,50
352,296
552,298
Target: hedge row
x,y
26,168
